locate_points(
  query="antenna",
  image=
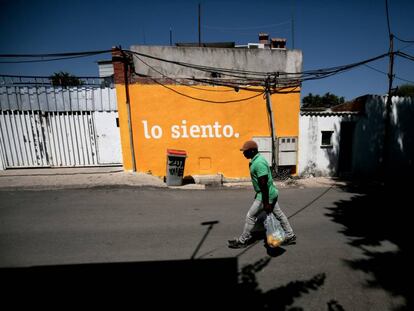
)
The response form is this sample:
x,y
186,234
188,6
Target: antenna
x,y
199,24
293,25
170,37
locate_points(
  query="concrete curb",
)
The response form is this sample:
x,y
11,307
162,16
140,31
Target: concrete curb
x,y
78,178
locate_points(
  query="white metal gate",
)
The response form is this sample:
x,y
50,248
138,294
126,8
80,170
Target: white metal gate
x,y
57,139
43,126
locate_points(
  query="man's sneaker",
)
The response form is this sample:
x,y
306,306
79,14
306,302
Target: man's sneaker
x,y
290,240
236,243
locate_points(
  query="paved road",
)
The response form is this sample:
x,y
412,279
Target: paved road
x,y
325,270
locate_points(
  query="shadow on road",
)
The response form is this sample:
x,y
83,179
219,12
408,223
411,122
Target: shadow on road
x,y
279,298
158,284
377,221
196,284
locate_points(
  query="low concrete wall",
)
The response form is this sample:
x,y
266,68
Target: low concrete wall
x,y
259,60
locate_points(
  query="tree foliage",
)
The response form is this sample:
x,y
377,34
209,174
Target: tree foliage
x,y
65,79
325,101
405,90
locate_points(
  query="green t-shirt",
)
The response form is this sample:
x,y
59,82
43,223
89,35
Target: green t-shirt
x,y
258,168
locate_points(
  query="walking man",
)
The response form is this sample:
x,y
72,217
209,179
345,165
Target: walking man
x,y
266,197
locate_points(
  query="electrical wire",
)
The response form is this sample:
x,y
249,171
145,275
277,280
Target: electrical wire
x,y
258,78
247,28
206,100
231,84
405,55
383,72
237,78
44,77
87,53
49,57
204,68
41,60
177,81
405,41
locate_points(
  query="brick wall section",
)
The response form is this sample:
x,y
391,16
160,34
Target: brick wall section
x,y
118,65
118,59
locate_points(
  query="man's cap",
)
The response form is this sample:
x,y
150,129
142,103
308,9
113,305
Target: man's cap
x,y
250,144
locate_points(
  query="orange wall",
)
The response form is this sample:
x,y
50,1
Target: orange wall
x,y
155,109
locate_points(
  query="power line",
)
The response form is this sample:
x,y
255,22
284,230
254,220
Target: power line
x,y
405,41
206,100
405,55
200,67
238,78
246,28
55,54
177,81
48,57
41,60
259,78
45,77
383,72
267,80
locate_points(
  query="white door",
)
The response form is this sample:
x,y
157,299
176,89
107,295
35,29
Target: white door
x,y
108,137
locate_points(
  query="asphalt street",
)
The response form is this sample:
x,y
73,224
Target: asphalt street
x,y
325,270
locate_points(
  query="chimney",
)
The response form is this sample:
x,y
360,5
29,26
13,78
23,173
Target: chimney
x,y
278,43
264,38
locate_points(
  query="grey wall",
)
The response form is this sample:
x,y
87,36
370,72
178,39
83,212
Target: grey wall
x,y
369,138
262,60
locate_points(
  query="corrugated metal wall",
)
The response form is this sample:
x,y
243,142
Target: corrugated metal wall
x,y
46,126
50,98
43,139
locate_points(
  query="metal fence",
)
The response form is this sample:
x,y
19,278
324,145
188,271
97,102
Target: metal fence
x,y
38,94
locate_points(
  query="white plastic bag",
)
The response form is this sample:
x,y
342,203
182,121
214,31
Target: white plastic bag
x,y
275,235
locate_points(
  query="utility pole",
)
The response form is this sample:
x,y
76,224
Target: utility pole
x,y
387,126
272,126
128,106
388,106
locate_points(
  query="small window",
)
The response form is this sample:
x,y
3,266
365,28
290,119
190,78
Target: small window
x,y
326,138
283,140
293,140
288,140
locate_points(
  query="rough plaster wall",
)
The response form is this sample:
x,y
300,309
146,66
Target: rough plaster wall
x,y
369,133
262,60
370,138
314,160
402,148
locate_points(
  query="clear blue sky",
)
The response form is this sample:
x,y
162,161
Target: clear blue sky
x,y
329,33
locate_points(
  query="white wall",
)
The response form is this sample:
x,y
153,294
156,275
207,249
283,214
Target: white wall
x,y
2,166
314,160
